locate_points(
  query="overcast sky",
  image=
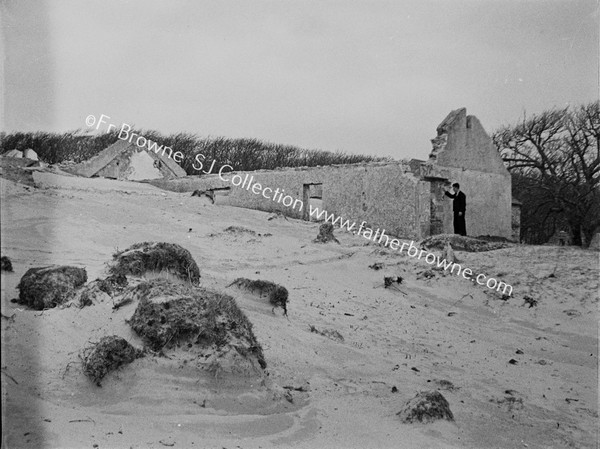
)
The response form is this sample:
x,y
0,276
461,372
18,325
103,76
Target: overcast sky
x,y
373,77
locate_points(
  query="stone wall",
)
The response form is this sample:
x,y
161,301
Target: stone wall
x,y
463,152
489,200
384,195
405,199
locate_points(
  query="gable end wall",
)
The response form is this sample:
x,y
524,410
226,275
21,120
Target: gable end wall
x,y
465,152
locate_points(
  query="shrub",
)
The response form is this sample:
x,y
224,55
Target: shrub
x,y
326,234
426,406
46,287
107,355
170,314
278,295
243,154
151,256
5,264
461,243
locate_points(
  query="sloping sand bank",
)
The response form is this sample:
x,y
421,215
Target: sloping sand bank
x,y
440,333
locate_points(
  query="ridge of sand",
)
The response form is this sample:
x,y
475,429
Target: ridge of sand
x,y
441,329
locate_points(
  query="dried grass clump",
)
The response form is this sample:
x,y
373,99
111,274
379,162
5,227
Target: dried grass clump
x,y
278,295
329,333
107,355
326,234
90,294
425,407
101,290
444,384
460,243
511,403
46,287
277,215
152,256
426,274
5,264
170,314
494,238
389,281
254,286
113,284
157,289
239,230
210,194
530,301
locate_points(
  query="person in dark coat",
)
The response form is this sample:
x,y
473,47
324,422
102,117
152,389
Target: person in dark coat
x,y
459,206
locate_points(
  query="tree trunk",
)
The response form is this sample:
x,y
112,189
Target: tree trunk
x,y
588,234
576,230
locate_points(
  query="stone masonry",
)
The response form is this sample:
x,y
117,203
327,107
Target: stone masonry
x,y
404,198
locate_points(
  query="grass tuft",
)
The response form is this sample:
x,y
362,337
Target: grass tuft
x,y
46,287
144,257
326,234
425,407
461,243
278,295
5,264
107,355
170,314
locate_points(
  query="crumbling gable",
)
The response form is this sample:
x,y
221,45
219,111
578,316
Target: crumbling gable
x,y
462,142
463,152
124,160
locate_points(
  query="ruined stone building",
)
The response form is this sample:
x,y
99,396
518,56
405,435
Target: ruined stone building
x,y
126,161
404,198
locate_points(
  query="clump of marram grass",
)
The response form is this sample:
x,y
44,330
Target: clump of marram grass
x,y
239,230
250,154
461,243
210,194
326,234
171,315
100,290
5,264
46,287
425,407
113,284
91,293
329,333
278,295
107,355
144,257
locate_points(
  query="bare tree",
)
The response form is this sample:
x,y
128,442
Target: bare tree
x,y
554,158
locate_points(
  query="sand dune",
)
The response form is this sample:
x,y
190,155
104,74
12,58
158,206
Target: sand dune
x,y
443,333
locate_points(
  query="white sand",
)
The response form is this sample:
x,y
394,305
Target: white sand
x,y
47,402
141,166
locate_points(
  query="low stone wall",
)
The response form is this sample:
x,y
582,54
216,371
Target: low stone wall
x,y
386,196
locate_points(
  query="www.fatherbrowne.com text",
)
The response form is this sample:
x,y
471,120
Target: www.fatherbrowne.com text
x,y
247,182
277,195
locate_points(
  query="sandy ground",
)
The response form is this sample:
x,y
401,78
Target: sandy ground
x,y
430,330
